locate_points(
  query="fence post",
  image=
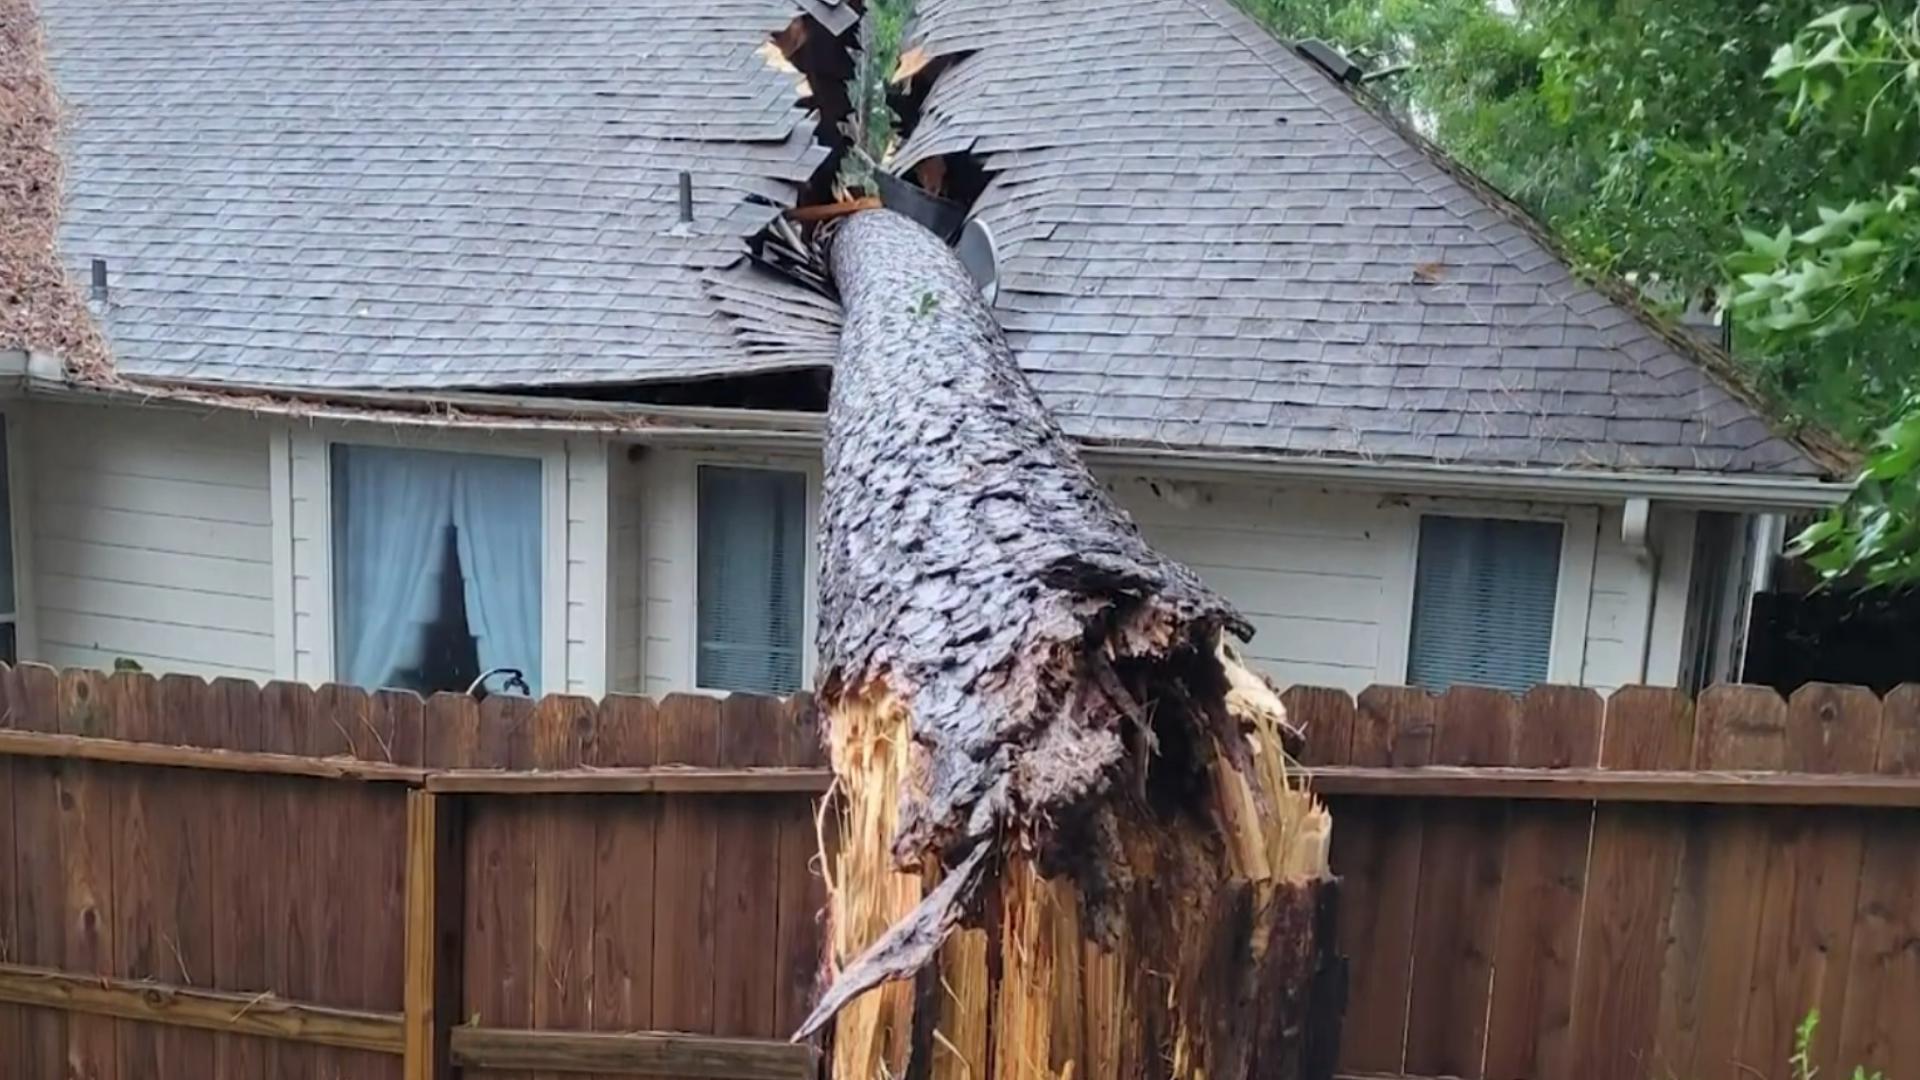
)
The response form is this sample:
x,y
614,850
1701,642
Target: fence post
x,y
434,881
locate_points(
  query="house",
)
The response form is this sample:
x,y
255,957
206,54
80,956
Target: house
x,y
422,364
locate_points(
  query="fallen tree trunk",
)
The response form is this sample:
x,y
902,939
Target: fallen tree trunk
x,y
1066,842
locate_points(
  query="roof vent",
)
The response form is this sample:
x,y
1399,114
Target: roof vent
x,y
1331,60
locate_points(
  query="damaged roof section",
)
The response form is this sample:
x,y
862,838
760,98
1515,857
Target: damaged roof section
x,y
1203,242
1206,242
467,193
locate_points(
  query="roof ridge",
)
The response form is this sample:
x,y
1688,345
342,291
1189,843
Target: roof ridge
x,y
1819,445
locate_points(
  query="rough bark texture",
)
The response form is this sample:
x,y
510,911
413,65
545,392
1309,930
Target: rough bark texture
x,y
1038,731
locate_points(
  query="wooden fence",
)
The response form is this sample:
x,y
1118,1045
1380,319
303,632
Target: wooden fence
x,y
1562,888
336,884
223,880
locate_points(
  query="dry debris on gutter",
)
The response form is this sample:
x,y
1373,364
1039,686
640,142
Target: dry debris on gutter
x,y
40,307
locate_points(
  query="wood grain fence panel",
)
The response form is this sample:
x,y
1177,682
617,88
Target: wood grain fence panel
x,y
1458,908
1811,885
288,873
1878,1030
1326,718
1630,874
624,886
800,935
90,831
685,852
1542,893
563,826
38,884
13,1019
746,877
1740,727
501,877
1376,852
241,851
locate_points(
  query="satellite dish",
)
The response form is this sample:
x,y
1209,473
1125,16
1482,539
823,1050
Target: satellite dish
x,y
981,257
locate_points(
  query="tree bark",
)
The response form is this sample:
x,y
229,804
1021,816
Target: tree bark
x,y
1065,841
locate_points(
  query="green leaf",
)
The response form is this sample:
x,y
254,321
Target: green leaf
x,y
1842,18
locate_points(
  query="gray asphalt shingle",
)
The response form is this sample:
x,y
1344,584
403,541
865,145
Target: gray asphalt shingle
x,y
1204,241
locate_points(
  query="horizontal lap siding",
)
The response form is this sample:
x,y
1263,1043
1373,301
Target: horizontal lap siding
x,y
1316,575
151,540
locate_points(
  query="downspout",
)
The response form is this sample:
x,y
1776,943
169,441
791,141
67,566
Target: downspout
x,y
1636,528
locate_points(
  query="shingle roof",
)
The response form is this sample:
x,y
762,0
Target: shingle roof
x,y
1204,241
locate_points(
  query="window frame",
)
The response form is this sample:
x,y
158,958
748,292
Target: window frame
x,y
810,469
13,420
1573,594
553,529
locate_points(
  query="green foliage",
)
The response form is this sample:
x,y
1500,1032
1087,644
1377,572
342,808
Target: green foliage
x,y
1802,1060
1758,155
872,126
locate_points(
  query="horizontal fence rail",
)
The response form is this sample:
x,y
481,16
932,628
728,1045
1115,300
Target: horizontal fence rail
x,y
227,880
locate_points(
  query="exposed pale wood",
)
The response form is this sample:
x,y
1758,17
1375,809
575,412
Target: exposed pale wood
x,y
88,748
656,780
1726,787
670,1054
173,1005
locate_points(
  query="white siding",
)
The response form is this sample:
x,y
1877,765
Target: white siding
x,y
151,539
587,527
1322,578
626,577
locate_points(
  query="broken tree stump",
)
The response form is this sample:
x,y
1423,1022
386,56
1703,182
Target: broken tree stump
x,y
1066,842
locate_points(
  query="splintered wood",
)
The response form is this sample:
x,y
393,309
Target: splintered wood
x,y
1065,839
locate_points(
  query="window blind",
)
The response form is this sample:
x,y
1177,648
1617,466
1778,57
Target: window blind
x,y
1483,601
752,579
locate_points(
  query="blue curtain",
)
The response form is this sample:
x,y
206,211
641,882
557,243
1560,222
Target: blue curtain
x,y
496,513
391,512
751,579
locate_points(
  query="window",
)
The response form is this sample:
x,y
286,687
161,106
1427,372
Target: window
x,y
436,568
1483,602
752,579
9,604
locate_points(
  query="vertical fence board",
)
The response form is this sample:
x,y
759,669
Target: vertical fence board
x,y
1812,881
1326,718
746,947
285,708
624,886
1740,727
43,885
564,976
1630,875
242,853
1458,907
1879,1031
803,894
90,828
1545,884
683,929
500,877
1376,851
13,1018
